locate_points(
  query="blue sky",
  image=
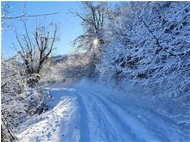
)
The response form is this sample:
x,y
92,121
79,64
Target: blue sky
x,y
69,25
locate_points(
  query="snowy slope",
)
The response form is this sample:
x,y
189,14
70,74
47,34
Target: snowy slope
x,y
90,112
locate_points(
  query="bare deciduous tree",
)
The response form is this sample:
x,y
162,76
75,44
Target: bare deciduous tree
x,y
35,50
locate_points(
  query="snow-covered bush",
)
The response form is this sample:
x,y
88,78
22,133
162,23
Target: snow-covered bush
x,y
18,99
150,46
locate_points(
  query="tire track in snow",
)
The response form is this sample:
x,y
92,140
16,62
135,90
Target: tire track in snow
x,y
120,131
129,121
92,112
102,120
95,111
159,126
108,120
84,129
115,127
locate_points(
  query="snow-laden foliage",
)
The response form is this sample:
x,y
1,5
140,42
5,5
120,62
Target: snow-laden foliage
x,y
19,98
95,34
67,68
150,46
93,18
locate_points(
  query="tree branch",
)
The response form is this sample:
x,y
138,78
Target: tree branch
x,y
27,16
156,39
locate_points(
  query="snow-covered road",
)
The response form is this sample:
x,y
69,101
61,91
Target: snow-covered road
x,y
85,114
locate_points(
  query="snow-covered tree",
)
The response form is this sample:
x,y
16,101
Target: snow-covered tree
x,y
150,46
94,22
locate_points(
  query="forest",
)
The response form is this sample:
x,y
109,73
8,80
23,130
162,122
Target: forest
x,y
127,79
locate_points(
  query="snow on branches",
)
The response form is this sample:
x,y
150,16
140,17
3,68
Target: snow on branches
x,y
150,46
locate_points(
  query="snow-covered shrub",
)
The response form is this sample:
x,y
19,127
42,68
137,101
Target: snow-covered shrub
x,y
33,80
19,99
150,46
6,131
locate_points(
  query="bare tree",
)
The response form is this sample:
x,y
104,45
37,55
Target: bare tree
x,y
35,49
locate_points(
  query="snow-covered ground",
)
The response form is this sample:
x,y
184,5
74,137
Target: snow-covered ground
x,y
91,112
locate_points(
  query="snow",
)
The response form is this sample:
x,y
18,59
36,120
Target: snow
x,y
141,49
149,45
87,111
